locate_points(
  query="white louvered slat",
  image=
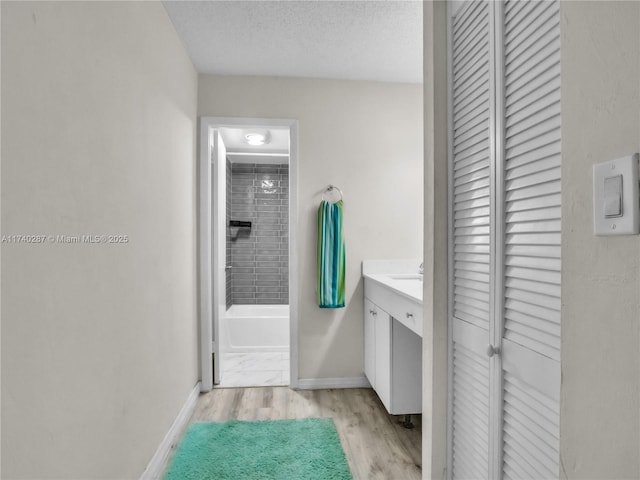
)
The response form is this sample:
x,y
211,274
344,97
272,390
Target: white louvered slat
x,y
544,335
473,189
469,131
520,26
552,225
533,121
461,21
535,84
463,28
538,223
531,146
470,56
471,404
472,181
474,116
470,46
467,222
533,298
474,153
531,439
534,239
471,163
535,31
540,165
533,68
468,309
468,72
474,198
533,275
531,286
471,184
471,89
532,265
533,203
544,152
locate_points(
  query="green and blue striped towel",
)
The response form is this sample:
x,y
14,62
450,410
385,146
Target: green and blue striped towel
x,y
331,256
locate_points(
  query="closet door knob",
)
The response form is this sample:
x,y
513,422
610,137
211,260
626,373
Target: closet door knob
x,y
491,351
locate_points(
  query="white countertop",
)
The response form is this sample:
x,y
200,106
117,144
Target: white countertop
x,y
401,276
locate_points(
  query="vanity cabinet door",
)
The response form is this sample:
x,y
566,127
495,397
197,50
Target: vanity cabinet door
x,y
370,312
383,356
377,350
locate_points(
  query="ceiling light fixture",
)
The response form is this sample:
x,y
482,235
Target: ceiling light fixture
x,y
257,138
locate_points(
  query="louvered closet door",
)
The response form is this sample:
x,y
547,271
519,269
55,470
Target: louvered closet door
x,y
505,240
471,156
531,329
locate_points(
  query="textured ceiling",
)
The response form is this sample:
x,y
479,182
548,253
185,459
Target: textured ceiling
x,y
355,40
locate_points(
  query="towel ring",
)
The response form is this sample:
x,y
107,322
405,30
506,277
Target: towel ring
x,y
331,188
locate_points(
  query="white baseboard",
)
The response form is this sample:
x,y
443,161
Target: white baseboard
x,y
338,382
155,468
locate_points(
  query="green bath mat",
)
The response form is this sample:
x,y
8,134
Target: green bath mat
x,y
280,449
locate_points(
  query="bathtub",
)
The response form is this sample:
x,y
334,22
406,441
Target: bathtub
x,y
255,328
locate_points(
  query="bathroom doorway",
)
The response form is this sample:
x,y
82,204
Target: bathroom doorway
x,y
248,183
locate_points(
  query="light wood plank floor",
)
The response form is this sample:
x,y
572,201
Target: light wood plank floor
x,y
376,445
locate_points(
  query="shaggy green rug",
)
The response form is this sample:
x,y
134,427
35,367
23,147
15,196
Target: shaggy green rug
x,y
281,449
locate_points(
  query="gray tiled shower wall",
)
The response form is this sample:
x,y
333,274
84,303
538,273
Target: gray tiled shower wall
x,y
260,256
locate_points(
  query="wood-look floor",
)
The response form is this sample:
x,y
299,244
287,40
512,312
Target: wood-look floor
x,y
376,445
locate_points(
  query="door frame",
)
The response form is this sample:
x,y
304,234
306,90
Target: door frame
x,y
209,275
451,8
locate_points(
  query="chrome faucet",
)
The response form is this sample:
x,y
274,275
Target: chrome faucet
x,y
421,269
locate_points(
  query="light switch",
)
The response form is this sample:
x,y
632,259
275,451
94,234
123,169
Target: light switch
x,y
613,196
616,197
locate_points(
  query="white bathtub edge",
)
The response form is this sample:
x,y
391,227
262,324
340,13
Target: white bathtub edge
x,y
255,328
250,310
251,349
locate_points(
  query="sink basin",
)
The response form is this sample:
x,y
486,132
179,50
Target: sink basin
x,y
406,276
407,283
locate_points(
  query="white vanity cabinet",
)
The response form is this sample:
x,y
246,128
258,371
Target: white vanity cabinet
x,y
392,360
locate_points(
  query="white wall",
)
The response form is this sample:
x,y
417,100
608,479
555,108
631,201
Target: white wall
x,y
600,420
99,342
366,138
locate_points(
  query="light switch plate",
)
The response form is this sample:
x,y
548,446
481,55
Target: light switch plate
x,y
605,199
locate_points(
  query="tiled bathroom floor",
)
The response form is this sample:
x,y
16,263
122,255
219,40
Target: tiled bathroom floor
x,y
261,369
